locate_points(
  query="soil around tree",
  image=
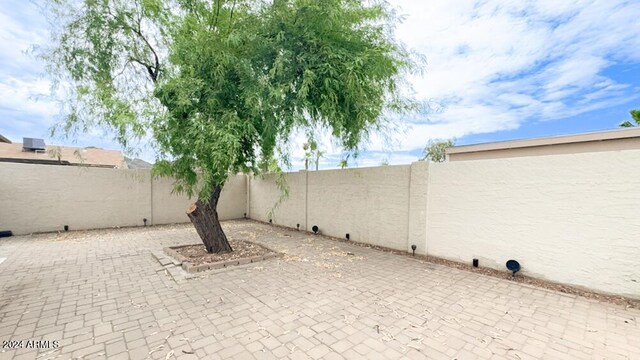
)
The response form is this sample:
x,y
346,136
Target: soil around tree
x,y
195,258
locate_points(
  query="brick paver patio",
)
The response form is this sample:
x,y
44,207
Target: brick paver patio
x,y
102,294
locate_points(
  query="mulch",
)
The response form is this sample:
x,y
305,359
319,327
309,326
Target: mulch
x,y
197,254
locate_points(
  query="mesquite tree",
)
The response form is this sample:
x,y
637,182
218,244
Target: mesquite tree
x,y
218,87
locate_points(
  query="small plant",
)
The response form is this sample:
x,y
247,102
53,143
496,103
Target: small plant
x,y
312,154
56,153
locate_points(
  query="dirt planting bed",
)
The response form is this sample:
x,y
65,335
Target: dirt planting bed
x,y
195,258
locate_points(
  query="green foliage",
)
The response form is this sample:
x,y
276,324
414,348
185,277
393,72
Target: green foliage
x,y
435,150
219,86
56,153
635,117
312,154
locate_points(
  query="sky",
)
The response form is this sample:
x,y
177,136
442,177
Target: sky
x,y
495,70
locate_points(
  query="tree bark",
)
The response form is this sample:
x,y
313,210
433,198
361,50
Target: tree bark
x,y
204,218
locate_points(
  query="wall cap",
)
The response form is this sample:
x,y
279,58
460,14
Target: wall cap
x,y
548,141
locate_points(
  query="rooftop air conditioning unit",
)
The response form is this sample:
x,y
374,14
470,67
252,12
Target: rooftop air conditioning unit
x,y
30,144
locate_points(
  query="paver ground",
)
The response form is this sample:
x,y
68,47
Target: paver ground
x,y
102,294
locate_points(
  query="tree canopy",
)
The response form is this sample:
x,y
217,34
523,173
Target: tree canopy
x,y
435,150
219,86
635,119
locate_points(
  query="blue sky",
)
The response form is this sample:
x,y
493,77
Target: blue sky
x,y
496,70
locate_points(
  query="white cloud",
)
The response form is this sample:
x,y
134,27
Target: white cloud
x,y
27,96
492,65
22,27
496,64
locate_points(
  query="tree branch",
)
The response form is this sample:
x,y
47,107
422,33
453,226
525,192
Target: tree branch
x,y
150,69
124,67
215,21
153,70
231,15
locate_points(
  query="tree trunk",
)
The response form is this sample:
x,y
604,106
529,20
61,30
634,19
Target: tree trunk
x,y
204,218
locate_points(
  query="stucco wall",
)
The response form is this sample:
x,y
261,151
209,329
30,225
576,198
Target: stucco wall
x,y
418,196
166,206
371,204
39,198
264,194
170,208
567,218
36,198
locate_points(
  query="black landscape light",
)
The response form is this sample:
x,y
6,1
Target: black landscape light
x,y
245,215
348,236
66,228
513,266
298,227
270,221
475,262
413,247
145,221
315,229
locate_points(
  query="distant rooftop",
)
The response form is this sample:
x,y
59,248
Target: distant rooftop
x,y
62,155
621,139
137,163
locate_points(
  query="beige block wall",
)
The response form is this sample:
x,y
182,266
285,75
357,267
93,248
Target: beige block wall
x,y
419,192
567,218
40,198
371,204
170,208
37,198
233,199
264,194
166,206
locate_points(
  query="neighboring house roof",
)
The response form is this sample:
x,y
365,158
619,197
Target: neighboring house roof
x,y
621,139
137,163
92,157
4,139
